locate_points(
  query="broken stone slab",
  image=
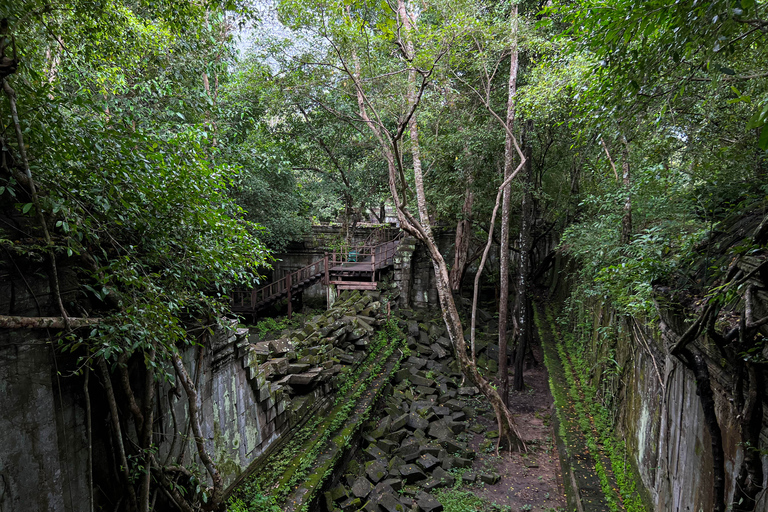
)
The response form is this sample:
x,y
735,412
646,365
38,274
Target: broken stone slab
x,y
462,462
469,477
399,422
454,405
409,452
373,452
442,411
418,380
386,445
280,346
395,483
416,362
281,365
338,493
431,449
382,427
394,463
303,379
453,446
440,430
425,390
397,436
261,349
423,350
439,351
433,483
351,504
468,391
444,342
413,328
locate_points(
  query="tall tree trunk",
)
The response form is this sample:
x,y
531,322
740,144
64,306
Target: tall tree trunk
x,y
390,145
463,237
509,154
524,269
422,229
626,220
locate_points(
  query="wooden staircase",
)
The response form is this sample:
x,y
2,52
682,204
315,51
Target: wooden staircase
x,y
355,269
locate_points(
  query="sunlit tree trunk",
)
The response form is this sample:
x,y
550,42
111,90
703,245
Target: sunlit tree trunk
x,y
509,154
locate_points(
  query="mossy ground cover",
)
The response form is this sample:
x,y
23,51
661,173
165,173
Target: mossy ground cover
x,y
585,423
307,459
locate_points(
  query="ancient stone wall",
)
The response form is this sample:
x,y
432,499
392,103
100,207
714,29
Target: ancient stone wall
x,y
659,415
252,392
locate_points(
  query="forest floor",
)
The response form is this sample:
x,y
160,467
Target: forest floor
x,y
529,481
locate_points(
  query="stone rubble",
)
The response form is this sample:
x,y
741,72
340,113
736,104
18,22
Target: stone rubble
x,y
412,447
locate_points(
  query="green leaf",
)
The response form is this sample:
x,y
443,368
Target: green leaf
x,y
763,141
26,208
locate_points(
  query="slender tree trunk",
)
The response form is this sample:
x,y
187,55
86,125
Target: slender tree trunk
x,y
463,237
507,428
125,470
390,146
509,154
524,271
626,220
145,439
193,401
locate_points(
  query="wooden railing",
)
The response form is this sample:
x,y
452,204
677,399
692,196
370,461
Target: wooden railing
x,y
248,299
362,258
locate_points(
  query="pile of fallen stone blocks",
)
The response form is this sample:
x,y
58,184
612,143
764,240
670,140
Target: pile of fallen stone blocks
x,y
412,448
289,373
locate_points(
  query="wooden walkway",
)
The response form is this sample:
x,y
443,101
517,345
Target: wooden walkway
x,y
356,269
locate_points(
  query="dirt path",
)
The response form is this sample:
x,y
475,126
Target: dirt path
x,y
529,481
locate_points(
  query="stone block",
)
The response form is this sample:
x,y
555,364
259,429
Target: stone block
x,y
373,452
303,379
376,470
389,503
440,430
298,368
489,478
427,461
415,421
438,351
411,473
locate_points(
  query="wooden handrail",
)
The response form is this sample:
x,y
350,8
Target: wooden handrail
x,y
249,298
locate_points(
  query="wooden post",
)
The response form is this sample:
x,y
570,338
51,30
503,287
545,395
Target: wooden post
x,y
290,306
373,264
325,264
